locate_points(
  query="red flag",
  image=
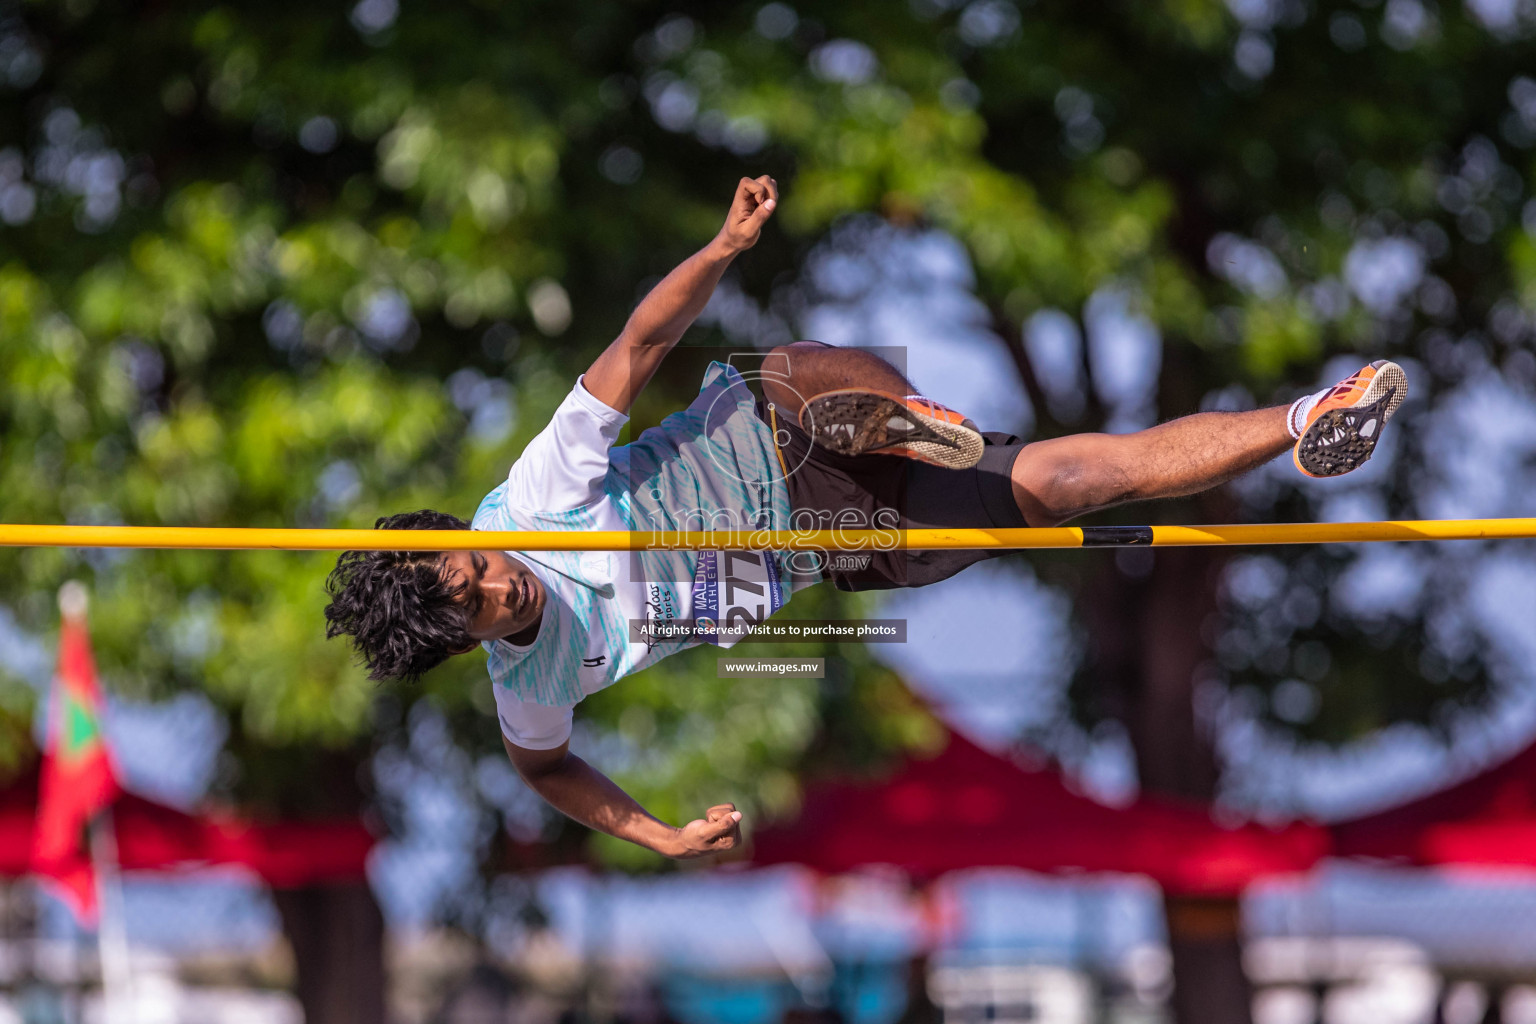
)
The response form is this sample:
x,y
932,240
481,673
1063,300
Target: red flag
x,y
79,779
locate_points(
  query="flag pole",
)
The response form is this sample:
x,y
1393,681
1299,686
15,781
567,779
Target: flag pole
x,y
111,934
111,931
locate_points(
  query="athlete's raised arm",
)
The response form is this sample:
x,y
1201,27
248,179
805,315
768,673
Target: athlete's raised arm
x,y
628,364
579,791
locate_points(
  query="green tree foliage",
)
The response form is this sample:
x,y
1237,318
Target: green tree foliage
x,y
287,269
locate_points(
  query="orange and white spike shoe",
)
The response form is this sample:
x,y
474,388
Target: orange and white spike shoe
x,y
1336,430
855,421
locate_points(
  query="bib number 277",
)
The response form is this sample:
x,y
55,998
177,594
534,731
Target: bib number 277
x,y
733,592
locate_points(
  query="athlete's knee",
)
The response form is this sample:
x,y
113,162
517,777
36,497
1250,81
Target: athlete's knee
x,y
1062,483
780,359
1061,489
784,372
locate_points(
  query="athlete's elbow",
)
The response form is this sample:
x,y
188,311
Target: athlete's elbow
x,y
645,336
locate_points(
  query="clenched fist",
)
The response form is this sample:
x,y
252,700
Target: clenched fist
x,y
753,205
719,830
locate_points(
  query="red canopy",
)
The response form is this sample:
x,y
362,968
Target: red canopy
x,y
154,837
1488,820
966,808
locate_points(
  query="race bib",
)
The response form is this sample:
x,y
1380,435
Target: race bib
x,y
734,591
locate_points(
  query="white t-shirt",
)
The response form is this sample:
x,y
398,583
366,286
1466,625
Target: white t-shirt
x,y
710,466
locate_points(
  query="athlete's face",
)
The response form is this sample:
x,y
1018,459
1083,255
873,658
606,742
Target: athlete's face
x,y
502,596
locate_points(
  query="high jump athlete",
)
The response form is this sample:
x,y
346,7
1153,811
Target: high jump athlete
x,y
839,438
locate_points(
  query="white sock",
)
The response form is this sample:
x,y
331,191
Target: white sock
x,y
1296,419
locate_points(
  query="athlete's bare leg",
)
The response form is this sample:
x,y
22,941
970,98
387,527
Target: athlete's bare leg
x,y
1056,480
1064,477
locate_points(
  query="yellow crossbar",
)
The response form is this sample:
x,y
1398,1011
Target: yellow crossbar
x,y
234,539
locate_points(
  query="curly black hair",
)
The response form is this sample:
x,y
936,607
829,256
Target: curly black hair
x,y
396,605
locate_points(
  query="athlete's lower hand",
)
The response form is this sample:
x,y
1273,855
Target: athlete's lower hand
x,y
717,831
750,209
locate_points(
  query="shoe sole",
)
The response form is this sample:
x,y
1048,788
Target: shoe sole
x,y
864,422
1342,440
